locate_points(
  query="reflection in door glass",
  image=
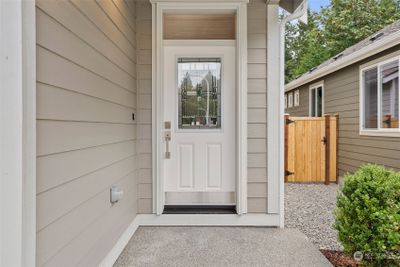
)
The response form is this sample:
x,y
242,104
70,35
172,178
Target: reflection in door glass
x,y
199,93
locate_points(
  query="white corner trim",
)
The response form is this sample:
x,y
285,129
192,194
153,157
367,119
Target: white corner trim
x,y
18,133
114,253
275,103
370,50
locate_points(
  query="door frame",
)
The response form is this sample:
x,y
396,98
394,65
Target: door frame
x,y
240,8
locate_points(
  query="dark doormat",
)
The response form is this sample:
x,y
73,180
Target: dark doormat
x,y
198,209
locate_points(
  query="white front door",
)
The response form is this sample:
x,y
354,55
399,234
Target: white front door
x,y
199,125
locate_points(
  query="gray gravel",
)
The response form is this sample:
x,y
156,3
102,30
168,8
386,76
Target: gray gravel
x,y
309,208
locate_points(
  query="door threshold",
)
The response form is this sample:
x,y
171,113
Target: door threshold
x,y
199,209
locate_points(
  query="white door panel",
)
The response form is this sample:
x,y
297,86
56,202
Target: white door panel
x,y
199,102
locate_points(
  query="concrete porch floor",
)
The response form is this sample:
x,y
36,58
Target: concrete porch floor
x,y
220,246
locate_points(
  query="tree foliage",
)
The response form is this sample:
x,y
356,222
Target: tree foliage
x,y
333,29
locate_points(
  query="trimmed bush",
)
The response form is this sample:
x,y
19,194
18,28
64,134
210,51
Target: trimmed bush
x,y
368,214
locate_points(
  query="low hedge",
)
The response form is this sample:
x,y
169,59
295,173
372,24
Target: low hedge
x,y
368,214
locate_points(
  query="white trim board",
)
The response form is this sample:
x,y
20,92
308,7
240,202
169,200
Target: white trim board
x,y
370,50
18,133
255,220
275,104
158,8
310,101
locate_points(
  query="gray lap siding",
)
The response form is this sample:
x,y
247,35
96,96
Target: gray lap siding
x,y
341,96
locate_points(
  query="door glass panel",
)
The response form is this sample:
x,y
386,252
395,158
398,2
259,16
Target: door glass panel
x,y
390,95
199,93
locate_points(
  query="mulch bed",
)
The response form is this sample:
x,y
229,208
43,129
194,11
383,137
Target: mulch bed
x,y
339,259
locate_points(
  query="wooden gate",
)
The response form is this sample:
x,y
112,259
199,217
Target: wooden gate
x,y
311,149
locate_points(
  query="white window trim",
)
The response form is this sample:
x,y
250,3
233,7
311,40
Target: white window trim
x,y
384,132
290,99
286,101
315,86
296,93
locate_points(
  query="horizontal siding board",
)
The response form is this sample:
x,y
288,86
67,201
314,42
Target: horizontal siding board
x,y
60,136
257,190
60,233
94,12
257,130
53,36
71,18
257,100
256,205
256,160
127,12
89,237
257,175
86,138
118,19
257,145
58,169
78,79
56,202
145,206
257,85
55,103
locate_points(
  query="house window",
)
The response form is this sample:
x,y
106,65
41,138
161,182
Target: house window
x,y
286,104
317,100
296,98
380,99
290,99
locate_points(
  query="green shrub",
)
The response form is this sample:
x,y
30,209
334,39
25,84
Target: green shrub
x,y
368,214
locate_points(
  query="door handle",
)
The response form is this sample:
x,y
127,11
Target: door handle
x,y
167,137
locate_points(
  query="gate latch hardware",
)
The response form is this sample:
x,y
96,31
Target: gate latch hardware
x,y
288,173
324,140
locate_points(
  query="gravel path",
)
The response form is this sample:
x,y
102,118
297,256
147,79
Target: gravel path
x,y
309,207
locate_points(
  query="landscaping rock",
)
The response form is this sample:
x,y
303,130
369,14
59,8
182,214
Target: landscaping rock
x,y
309,208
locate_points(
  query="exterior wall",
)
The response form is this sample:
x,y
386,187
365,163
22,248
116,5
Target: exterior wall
x,y
145,186
257,110
304,108
257,107
342,97
86,94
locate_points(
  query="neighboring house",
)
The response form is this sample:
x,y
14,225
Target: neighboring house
x,y
361,84
164,100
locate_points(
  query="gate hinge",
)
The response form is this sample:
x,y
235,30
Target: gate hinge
x,y
289,121
288,173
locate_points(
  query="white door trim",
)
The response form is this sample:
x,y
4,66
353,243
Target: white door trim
x,y
18,133
158,8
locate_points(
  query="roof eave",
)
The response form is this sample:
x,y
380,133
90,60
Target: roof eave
x,y
289,5
370,50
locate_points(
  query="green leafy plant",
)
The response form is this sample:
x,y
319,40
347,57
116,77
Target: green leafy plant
x,y
368,214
